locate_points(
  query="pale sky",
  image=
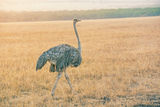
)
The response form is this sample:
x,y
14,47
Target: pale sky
x,y
45,5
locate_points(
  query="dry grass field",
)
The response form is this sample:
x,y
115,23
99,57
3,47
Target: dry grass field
x,y
121,63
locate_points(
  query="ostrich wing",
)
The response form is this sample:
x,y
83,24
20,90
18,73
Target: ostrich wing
x,y
56,56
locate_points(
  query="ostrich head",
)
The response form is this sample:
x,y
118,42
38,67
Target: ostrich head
x,y
75,20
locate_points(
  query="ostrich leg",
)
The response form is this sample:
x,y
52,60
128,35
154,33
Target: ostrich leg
x,y
55,84
67,78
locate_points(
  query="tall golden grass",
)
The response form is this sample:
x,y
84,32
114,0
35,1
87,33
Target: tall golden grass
x,y
121,63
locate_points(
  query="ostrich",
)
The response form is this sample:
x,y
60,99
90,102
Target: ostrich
x,y
60,57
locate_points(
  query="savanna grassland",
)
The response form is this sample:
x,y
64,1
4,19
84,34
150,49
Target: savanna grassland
x,y
121,63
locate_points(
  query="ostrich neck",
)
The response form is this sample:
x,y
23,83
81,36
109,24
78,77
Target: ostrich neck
x,y
79,44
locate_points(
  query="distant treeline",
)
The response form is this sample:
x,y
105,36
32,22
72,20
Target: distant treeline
x,y
11,16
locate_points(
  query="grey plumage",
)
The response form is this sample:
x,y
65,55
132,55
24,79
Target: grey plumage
x,y
60,57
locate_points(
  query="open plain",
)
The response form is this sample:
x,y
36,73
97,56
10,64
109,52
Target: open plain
x,y
120,67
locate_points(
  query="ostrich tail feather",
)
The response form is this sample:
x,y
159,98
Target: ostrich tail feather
x,y
41,61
